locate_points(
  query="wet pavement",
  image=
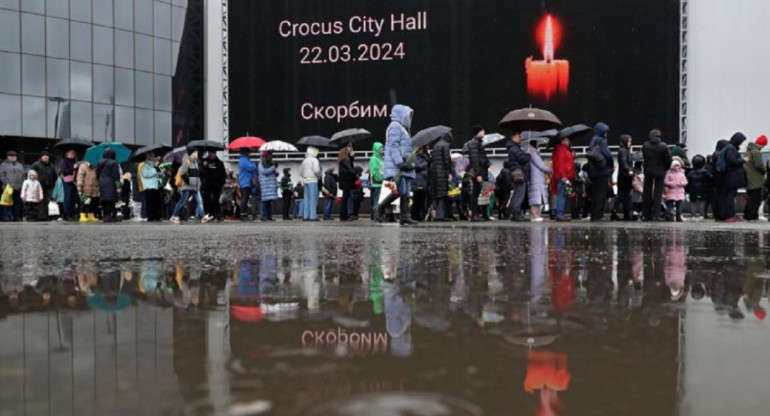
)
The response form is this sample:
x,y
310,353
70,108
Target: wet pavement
x,y
495,319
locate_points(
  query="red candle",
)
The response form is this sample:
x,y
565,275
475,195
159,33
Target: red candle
x,y
548,77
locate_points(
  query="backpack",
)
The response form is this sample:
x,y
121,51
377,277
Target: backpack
x,y
721,161
596,157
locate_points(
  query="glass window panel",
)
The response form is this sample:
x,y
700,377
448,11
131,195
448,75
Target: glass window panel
x,y
143,49
143,16
58,8
102,13
81,120
162,57
80,10
178,15
57,78
103,84
32,75
182,3
32,34
144,127
33,116
124,124
80,41
162,127
10,72
10,4
162,90
124,15
174,56
80,81
58,116
104,123
57,38
124,87
124,48
10,117
162,17
9,31
34,6
103,45
143,89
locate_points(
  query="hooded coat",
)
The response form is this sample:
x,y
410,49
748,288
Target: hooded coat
x,y
518,158
108,172
12,173
657,158
600,140
538,191
625,165
268,182
330,183
735,175
755,168
347,174
675,183
247,171
31,191
479,163
699,180
375,167
398,143
440,168
310,171
87,182
421,165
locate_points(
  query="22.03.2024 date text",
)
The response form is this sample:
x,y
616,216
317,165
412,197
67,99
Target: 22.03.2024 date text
x,y
345,53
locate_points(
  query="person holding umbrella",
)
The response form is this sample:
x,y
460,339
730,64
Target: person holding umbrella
x,y
151,184
68,169
108,172
268,185
347,181
398,147
479,169
188,179
518,163
247,179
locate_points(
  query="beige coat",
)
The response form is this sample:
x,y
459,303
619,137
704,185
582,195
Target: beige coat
x,y
87,181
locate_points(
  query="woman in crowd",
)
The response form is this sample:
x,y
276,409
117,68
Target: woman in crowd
x,y
88,188
538,191
268,186
108,172
347,179
68,169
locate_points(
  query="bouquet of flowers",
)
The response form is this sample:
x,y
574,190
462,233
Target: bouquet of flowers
x,y
488,190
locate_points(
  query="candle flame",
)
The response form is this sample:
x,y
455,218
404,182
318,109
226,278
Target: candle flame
x,y
548,44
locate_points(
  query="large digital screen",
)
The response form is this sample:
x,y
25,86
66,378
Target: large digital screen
x,y
302,67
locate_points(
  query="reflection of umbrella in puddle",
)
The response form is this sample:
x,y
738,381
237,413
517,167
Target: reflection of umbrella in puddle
x,y
101,302
396,403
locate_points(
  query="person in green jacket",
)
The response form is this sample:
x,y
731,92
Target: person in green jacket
x,y
755,175
376,175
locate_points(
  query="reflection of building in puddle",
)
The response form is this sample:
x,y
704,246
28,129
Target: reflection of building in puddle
x,y
547,372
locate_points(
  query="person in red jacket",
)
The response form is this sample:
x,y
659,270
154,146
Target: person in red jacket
x,y
563,172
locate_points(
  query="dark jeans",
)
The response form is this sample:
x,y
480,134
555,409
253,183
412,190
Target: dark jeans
x,y
730,194
71,200
328,207
519,191
599,197
474,203
266,210
419,200
42,208
33,209
344,205
92,207
719,203
374,200
245,195
443,208
211,201
108,209
752,206
624,199
670,205
153,203
16,211
652,197
286,198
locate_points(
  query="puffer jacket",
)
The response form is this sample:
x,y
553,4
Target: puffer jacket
x,y
563,166
12,173
108,172
330,183
421,165
625,165
46,174
440,168
518,158
538,191
699,180
675,183
755,168
657,158
479,163
398,143
268,182
310,171
375,167
190,174
735,175
247,171
600,140
149,176
347,174
87,182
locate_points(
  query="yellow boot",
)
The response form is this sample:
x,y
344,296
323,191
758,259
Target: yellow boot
x,y
83,218
92,218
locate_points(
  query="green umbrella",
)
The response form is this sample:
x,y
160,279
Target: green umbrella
x,y
94,154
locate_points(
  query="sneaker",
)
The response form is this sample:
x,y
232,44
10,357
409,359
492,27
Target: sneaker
x,y
206,219
175,220
537,219
136,219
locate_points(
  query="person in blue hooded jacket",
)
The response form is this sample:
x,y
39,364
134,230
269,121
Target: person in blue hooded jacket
x,y
600,173
247,175
398,147
268,186
734,174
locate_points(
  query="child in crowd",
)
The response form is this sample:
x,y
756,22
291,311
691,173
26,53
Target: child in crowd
x,y
699,187
675,183
637,191
31,195
357,194
125,195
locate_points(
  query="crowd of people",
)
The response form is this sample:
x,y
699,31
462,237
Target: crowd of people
x,y
430,182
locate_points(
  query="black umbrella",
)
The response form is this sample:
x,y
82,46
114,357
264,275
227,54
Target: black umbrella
x,y
576,133
157,149
429,136
177,155
350,136
530,119
316,141
206,144
73,143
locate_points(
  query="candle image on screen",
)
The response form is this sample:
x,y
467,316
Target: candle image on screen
x,y
547,78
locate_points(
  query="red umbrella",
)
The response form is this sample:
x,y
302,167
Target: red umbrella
x,y
247,142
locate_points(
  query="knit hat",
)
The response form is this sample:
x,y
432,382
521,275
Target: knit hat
x,y
676,161
762,140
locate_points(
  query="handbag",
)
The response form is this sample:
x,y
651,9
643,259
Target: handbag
x,y
517,176
7,198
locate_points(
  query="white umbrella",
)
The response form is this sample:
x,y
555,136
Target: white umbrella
x,y
492,138
278,146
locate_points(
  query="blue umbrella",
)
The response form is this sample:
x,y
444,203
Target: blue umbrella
x,y
99,301
94,154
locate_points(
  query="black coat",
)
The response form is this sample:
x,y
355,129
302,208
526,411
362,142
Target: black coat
x,y
347,174
504,182
735,175
421,165
440,169
518,158
108,172
330,183
478,162
46,174
625,165
657,159
213,174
